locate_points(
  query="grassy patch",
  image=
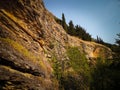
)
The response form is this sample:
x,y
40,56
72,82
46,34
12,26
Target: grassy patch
x,y
57,67
23,51
81,68
78,60
18,47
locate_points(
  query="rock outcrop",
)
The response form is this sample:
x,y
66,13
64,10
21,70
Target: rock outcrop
x,y
29,36
91,49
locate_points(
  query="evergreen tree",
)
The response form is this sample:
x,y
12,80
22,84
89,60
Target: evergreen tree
x,y
81,33
74,30
99,40
118,40
64,22
71,29
78,31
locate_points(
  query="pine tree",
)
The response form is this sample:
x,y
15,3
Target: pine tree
x,y
71,29
77,30
99,40
64,22
118,40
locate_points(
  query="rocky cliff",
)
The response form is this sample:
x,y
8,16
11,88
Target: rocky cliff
x,y
29,37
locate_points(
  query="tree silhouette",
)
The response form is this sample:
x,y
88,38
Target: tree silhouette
x,y
99,40
71,29
64,22
118,40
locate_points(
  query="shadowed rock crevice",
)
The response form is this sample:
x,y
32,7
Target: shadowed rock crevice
x,y
13,80
4,83
23,70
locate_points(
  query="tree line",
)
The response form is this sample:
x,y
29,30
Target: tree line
x,y
74,30
80,32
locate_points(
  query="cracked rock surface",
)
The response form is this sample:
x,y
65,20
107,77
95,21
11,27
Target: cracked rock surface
x,y
29,36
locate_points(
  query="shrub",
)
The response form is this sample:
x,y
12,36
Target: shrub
x,y
79,79
78,60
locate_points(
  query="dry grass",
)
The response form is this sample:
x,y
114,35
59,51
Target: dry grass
x,y
24,51
20,22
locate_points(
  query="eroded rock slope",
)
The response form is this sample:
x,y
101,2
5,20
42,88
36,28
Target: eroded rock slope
x,y
29,37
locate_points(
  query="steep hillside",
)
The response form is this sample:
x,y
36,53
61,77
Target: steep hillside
x,y
29,38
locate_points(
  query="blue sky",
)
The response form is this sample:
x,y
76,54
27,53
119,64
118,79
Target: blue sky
x,y
98,17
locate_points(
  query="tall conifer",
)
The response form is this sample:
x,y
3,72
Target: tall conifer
x,y
64,22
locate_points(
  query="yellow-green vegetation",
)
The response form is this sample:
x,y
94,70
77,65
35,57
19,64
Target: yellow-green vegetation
x,y
23,51
18,47
79,77
12,17
57,68
78,60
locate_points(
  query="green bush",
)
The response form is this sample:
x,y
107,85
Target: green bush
x,y
79,78
57,71
106,75
78,60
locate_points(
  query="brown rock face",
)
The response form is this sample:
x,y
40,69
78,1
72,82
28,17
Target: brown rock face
x,y
22,60
29,36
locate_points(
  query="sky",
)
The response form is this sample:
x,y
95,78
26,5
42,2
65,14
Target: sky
x,y
98,17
